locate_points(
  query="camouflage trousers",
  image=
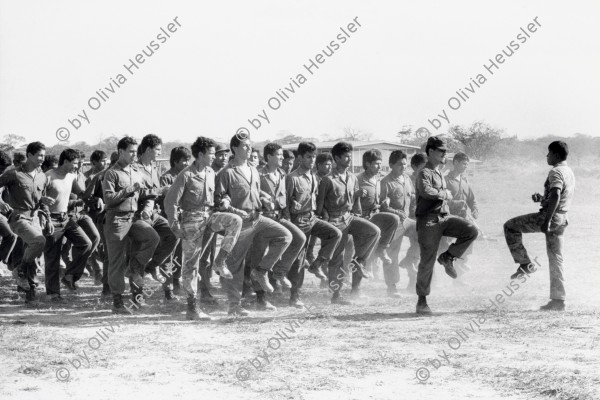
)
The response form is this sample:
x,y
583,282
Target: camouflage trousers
x,y
530,223
194,224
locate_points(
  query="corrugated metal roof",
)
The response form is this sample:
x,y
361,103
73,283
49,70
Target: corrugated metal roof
x,y
355,144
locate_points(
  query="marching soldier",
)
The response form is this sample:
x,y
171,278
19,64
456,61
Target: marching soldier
x,y
122,185
399,193
189,205
27,185
149,149
369,183
463,200
61,183
434,221
302,188
272,183
179,160
337,203
238,186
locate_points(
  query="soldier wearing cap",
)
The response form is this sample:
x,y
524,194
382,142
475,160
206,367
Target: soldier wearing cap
x,y
221,157
551,220
435,221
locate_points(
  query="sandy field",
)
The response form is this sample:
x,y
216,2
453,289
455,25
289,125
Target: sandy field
x,y
376,349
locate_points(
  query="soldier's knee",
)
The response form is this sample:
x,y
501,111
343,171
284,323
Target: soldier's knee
x,y
85,245
509,226
236,222
474,232
38,242
152,239
376,232
337,234
287,236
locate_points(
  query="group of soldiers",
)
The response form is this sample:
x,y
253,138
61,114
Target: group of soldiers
x,y
258,224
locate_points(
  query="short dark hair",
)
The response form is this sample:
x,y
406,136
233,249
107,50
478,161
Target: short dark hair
x,y
418,158
306,147
114,157
370,156
68,155
340,148
559,148
5,160
201,145
49,159
35,147
81,154
18,158
97,155
460,157
179,153
125,142
148,141
396,156
288,154
234,142
270,149
323,158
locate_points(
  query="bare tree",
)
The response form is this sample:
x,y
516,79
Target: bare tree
x,y
479,140
404,133
354,134
11,142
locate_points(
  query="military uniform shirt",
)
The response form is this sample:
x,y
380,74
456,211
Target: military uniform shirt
x,y
337,195
431,192
302,187
461,190
192,190
274,187
400,191
117,185
369,202
233,185
24,189
561,177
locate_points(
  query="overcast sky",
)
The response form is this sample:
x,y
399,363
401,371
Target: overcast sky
x,y
227,59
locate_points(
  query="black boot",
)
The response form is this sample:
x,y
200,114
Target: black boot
x,y
177,290
137,296
422,307
262,304
207,298
118,307
30,295
194,312
295,300
393,292
105,290
169,295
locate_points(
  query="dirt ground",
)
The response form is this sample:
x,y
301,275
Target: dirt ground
x,y
376,349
